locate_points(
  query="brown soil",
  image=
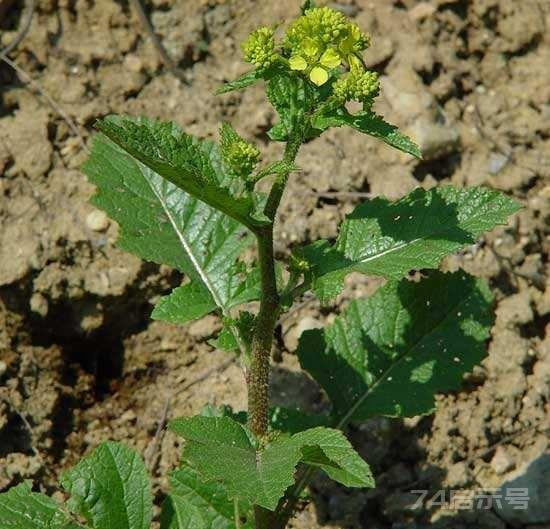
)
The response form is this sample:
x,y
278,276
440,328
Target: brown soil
x,y
80,361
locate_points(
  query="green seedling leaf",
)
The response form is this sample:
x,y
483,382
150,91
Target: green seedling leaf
x,y
111,489
20,508
369,123
161,223
391,353
221,449
191,164
390,239
192,503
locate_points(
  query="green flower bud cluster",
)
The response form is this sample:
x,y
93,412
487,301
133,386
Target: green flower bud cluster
x,y
259,48
321,40
362,86
240,155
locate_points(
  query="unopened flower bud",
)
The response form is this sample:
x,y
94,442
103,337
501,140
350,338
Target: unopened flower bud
x,y
259,48
240,155
357,86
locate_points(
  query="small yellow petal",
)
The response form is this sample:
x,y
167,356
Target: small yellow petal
x,y
318,76
297,63
330,59
310,47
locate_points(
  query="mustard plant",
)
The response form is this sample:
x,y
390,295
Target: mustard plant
x,y
195,206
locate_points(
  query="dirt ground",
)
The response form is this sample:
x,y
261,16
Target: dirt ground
x,y
80,361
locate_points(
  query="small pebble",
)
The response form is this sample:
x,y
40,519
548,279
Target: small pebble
x,y
133,63
421,11
497,162
97,221
3,367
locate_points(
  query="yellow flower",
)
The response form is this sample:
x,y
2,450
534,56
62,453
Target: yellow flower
x,y
320,40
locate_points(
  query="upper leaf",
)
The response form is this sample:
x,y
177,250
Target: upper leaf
x,y
390,353
369,123
20,508
292,97
390,239
159,222
191,164
192,503
111,489
244,81
221,449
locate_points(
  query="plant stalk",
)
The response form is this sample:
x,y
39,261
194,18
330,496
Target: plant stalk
x,y
262,339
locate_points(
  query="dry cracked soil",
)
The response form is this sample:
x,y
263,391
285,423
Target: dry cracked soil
x,y
80,360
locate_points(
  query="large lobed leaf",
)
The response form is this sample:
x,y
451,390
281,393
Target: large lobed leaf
x,y
159,222
222,450
110,488
389,354
193,503
20,508
390,239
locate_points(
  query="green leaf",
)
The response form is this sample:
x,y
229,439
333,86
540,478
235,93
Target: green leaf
x,y
389,354
292,97
111,489
192,503
369,123
390,239
329,450
242,327
244,81
291,420
159,222
222,450
193,165
230,284
20,508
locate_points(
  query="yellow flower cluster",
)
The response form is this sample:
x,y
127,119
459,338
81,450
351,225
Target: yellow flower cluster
x,y
259,48
362,86
321,40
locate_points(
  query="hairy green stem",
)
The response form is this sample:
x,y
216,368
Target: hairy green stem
x,y
258,378
262,339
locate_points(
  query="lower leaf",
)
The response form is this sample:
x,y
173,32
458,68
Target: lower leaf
x,y
110,488
192,503
391,353
20,508
222,450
